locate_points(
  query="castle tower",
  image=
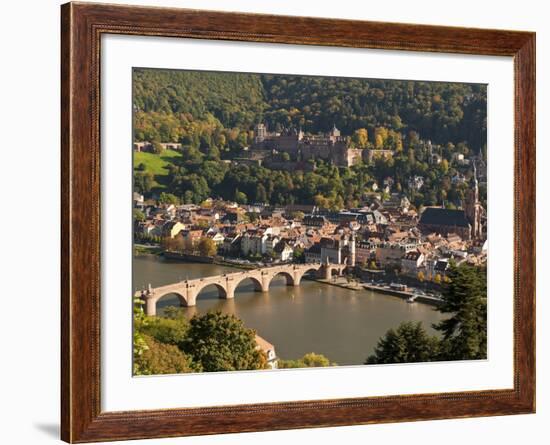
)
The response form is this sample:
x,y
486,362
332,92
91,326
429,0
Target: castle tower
x,y
334,133
260,132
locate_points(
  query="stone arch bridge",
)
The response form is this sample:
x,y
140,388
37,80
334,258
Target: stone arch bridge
x,y
188,290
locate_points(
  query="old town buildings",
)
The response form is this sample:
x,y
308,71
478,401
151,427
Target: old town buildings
x,y
385,236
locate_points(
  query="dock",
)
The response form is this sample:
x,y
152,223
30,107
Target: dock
x,y
405,295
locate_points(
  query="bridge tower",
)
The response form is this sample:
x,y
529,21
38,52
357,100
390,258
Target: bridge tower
x,y
327,269
150,302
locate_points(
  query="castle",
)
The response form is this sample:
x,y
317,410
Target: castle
x,y
330,147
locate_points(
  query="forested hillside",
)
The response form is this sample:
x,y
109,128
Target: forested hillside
x,y
234,102
213,115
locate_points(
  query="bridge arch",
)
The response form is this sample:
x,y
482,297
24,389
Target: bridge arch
x,y
255,281
181,298
314,269
222,291
288,277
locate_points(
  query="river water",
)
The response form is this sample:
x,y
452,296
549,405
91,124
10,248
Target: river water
x,y
343,325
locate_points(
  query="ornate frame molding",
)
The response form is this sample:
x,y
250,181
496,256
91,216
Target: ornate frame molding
x,y
82,26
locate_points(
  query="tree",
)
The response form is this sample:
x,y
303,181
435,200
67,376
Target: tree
x,y
240,197
437,278
409,343
207,247
261,194
143,182
310,360
140,345
360,138
465,297
157,147
176,244
138,215
168,198
299,255
170,329
160,358
297,215
220,342
420,276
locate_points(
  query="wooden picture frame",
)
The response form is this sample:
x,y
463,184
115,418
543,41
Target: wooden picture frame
x,y
82,26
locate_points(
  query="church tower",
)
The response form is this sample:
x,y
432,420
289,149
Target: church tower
x,y
473,207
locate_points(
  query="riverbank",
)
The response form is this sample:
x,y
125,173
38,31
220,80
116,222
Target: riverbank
x,y
405,295
147,249
187,257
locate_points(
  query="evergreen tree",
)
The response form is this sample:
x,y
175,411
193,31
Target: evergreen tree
x,y
408,343
465,298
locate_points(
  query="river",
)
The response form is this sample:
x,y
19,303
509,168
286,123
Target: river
x,y
343,325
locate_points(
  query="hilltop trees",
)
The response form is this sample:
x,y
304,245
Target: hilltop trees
x,y
213,116
203,109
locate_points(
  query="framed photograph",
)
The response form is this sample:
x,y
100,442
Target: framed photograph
x,y
275,222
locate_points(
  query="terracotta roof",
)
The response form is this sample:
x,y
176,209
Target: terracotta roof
x,y
263,344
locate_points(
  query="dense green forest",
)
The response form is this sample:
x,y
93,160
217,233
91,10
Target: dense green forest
x,y
213,116
439,111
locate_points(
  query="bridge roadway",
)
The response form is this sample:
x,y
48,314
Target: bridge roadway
x,y
188,290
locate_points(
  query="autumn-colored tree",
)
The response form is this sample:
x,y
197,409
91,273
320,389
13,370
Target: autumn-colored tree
x,y
310,360
160,358
207,247
240,197
176,244
360,138
420,276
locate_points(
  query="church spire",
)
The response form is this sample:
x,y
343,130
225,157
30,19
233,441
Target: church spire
x,y
476,184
